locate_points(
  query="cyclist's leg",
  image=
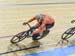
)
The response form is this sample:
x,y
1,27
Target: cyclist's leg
x,y
48,27
34,37
44,33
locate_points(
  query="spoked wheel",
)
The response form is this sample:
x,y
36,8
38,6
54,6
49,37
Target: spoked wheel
x,y
19,37
68,33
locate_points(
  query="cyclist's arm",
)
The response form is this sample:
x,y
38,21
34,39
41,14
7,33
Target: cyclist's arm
x,y
41,28
32,19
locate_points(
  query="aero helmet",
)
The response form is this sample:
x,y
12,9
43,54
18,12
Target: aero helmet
x,y
39,17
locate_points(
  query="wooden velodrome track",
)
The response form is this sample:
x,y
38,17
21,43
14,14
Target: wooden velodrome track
x,y
12,17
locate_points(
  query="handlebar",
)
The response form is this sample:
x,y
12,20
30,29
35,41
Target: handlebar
x,y
31,28
29,25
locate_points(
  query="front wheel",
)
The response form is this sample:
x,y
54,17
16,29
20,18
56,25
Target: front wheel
x,y
68,33
18,37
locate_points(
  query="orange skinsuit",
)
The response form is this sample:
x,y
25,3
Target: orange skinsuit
x,y
47,20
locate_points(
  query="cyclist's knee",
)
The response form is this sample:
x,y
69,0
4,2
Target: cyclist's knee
x,y
48,26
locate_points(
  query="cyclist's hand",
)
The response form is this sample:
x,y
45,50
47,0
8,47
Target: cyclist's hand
x,y
24,23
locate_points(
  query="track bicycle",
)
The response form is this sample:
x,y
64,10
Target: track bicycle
x,y
68,33
26,34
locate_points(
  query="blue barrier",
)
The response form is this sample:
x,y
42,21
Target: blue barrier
x,y
64,51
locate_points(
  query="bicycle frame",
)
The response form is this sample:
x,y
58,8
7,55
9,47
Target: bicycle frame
x,y
21,36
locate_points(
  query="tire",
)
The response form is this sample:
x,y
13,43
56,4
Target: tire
x,y
68,33
18,37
